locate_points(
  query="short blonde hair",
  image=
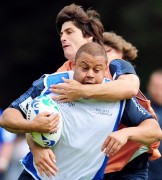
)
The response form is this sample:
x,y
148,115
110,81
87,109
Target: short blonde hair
x,y
117,42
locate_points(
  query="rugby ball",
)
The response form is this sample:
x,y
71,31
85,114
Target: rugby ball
x,y
40,104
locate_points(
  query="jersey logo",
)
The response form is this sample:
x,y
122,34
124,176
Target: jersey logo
x,y
139,107
24,105
47,142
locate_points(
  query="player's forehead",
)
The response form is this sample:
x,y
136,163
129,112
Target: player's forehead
x,y
90,60
69,25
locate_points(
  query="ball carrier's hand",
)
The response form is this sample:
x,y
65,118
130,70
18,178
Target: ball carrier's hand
x,y
45,122
44,158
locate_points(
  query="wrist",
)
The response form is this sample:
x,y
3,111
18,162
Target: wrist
x,y
32,145
29,126
130,132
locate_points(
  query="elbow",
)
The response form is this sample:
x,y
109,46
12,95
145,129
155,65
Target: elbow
x,y
131,92
159,137
158,132
131,85
134,88
4,122
4,125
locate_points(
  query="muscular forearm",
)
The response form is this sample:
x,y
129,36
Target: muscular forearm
x,y
113,90
125,87
13,121
146,133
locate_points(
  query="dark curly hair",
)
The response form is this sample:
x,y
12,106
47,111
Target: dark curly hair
x,y
117,42
87,21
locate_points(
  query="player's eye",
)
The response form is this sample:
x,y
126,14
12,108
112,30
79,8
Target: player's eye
x,y
84,68
96,70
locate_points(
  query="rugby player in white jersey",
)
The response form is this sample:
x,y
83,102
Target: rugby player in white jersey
x,y
87,123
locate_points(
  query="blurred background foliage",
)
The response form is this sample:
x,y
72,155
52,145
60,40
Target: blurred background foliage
x,y
30,44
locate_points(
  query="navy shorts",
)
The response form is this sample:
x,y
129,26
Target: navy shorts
x,y
25,176
137,169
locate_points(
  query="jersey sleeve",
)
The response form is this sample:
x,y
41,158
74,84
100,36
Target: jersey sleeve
x,y
134,113
119,67
35,90
67,66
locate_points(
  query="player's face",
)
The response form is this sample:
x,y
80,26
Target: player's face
x,y
89,69
112,53
72,39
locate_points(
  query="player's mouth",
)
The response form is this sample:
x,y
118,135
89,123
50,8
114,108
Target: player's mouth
x,y
88,82
65,46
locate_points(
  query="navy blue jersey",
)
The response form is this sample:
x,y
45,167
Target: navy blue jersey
x,y
134,113
119,67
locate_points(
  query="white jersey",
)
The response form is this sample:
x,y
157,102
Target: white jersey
x,y
86,124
